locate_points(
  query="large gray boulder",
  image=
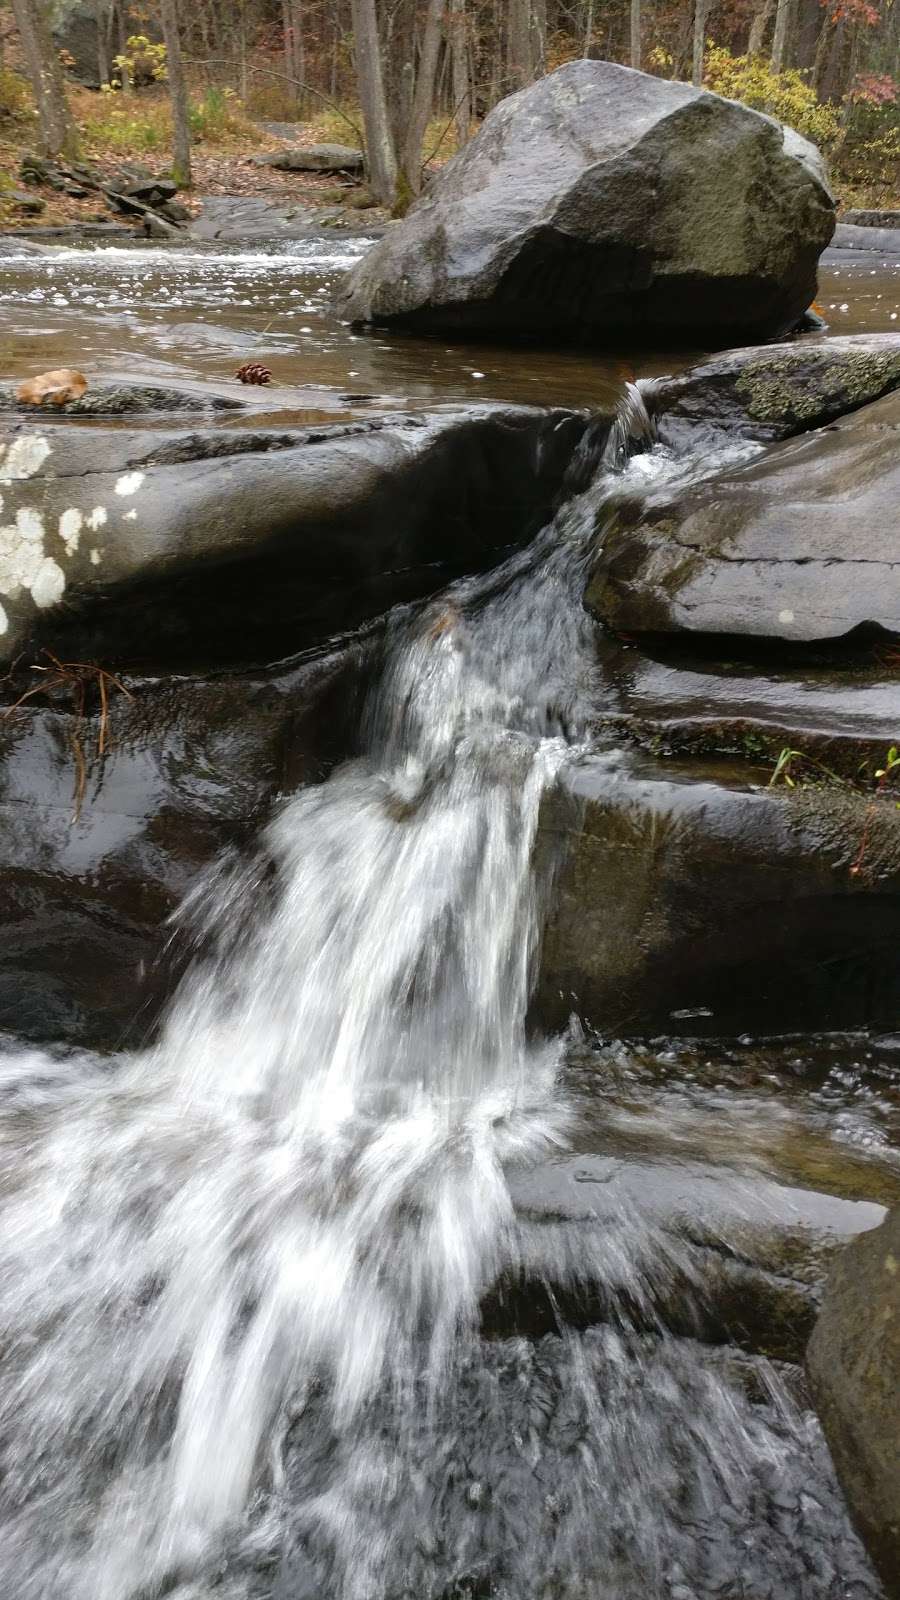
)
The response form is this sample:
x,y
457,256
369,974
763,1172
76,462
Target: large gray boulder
x,y
801,544
602,203
854,1368
154,548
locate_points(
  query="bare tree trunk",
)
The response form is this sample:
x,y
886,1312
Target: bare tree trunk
x,y
518,47
784,17
58,135
380,154
588,29
701,12
822,51
423,97
459,61
636,34
538,38
178,94
761,19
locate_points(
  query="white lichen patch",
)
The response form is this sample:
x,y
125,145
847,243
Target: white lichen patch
x,y
95,557
23,458
130,482
70,525
24,563
97,518
4,621
49,583
785,616
129,516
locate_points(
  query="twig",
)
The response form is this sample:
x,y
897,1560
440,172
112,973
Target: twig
x,y
426,159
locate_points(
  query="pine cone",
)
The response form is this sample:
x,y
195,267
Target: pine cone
x,y
253,372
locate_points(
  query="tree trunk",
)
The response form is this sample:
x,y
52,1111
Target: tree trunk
x,y
758,27
178,94
518,47
822,52
784,17
636,34
381,158
701,12
538,38
423,96
459,76
58,135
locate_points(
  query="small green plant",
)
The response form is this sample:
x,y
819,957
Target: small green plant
x,y
144,61
891,763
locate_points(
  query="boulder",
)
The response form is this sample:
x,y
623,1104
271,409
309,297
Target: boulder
x,y
737,909
801,544
853,1362
770,392
601,203
314,158
160,548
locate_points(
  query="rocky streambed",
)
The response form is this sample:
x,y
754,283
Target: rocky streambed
x,y
202,585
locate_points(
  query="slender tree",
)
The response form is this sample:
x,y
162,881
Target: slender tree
x,y
381,158
758,27
178,94
518,43
57,130
459,61
423,95
784,18
636,34
701,12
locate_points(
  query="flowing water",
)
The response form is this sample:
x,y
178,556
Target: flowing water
x,y
258,1281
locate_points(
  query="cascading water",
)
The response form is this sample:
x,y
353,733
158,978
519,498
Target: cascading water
x,y
241,1273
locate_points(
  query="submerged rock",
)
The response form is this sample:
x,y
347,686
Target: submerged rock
x,y
130,399
601,203
161,548
770,392
799,545
854,1367
737,909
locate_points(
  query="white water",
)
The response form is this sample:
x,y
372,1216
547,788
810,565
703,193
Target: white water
x,y
248,1263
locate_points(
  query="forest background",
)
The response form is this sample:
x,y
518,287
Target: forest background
x,y
193,87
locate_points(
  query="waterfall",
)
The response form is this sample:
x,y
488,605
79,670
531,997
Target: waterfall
x,y
243,1268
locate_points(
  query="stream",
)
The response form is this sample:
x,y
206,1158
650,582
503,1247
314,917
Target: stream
x,y
352,1285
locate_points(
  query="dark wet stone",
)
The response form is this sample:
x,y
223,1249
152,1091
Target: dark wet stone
x,y
801,544
233,547
885,240
771,392
192,771
128,399
854,1368
601,203
743,910
871,219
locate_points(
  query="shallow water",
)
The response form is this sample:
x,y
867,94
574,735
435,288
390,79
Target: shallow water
x,y
349,1287
154,315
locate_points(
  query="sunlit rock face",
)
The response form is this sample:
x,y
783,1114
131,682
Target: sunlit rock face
x,y
602,202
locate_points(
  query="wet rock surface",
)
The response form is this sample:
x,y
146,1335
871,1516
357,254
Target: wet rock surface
x,y
191,771
800,544
738,908
601,202
314,158
126,399
854,1367
774,391
165,548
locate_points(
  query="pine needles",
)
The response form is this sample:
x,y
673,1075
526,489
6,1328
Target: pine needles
x,y
74,679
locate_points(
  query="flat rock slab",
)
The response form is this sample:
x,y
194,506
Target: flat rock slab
x,y
842,715
158,547
886,241
802,544
771,392
854,1368
314,158
124,400
683,892
601,203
